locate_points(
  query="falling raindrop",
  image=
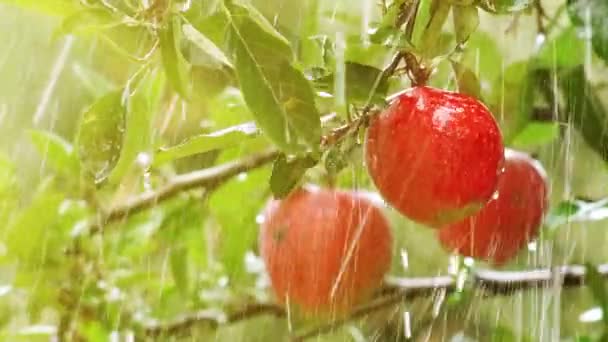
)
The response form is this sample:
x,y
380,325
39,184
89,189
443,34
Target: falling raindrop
x,y
407,325
592,315
404,259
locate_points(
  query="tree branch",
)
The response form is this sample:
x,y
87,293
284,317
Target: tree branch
x,y
205,178
487,282
215,176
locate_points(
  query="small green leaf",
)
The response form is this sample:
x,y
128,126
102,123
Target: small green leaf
x,y
593,12
100,136
467,80
504,6
56,151
564,51
235,207
512,98
286,174
466,21
86,21
596,284
362,82
32,230
176,66
280,98
536,134
585,109
207,142
334,161
216,57
138,134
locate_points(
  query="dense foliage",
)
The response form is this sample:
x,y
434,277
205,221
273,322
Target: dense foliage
x,y
140,140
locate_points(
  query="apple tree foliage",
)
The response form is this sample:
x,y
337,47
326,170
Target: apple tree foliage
x,y
103,102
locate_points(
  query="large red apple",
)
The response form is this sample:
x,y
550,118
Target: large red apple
x,y
435,155
509,220
325,250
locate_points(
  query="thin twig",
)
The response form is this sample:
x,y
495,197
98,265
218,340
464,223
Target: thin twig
x,y
212,318
540,15
396,290
206,178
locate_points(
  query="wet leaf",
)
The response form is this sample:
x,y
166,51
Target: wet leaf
x,y
504,6
564,51
512,98
137,141
100,136
176,66
286,174
202,143
362,83
536,134
334,161
585,109
595,13
32,230
235,207
466,21
467,80
215,55
280,98
56,151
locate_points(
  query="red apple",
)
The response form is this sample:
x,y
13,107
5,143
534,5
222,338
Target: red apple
x,y
435,155
509,220
325,250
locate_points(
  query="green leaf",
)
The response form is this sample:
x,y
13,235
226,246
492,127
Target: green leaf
x,y
56,151
536,134
467,80
466,21
596,284
202,143
564,51
32,231
100,136
286,174
137,139
86,21
585,109
280,98
512,98
235,207
595,13
334,161
577,211
483,56
504,6
215,56
176,66
362,82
